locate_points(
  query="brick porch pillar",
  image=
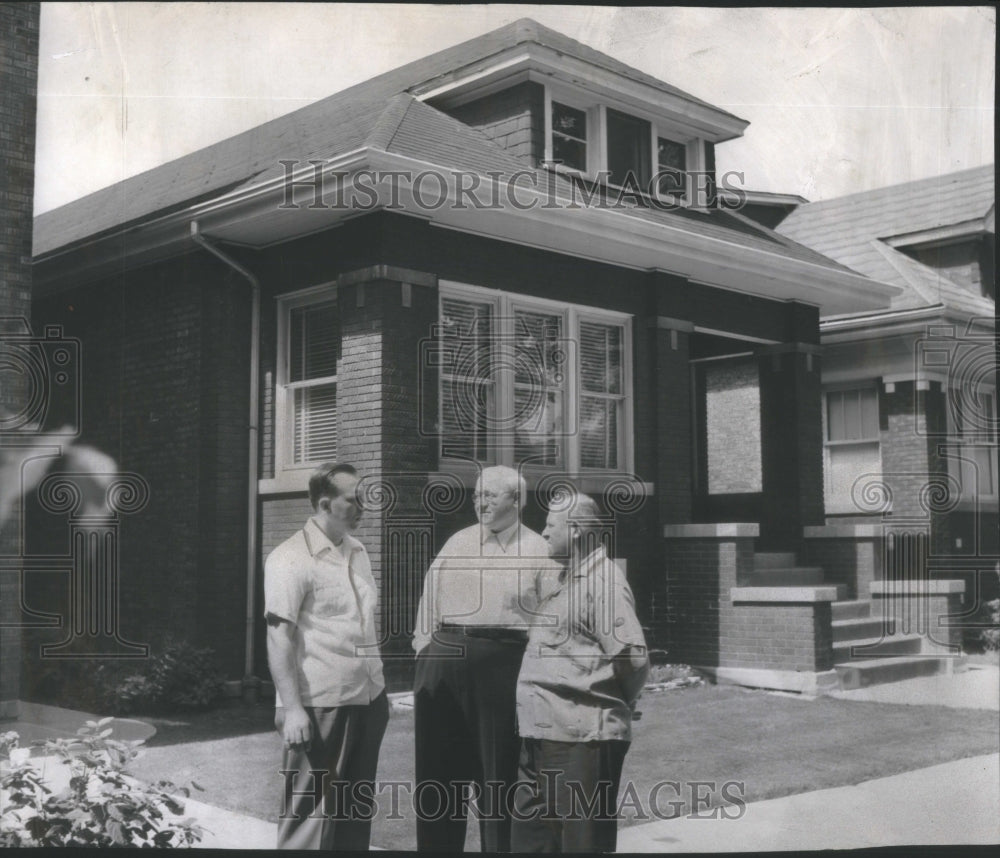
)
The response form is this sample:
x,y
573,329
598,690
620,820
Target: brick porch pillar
x,y
791,432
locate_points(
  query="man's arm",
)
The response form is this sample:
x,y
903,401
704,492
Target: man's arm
x,y
631,668
281,661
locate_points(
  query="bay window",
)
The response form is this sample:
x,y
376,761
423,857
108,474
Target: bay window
x,y
527,381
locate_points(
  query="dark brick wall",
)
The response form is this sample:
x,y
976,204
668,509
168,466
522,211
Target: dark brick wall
x,y
514,118
708,629
18,88
164,356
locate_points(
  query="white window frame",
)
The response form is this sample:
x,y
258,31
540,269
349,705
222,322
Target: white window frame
x,y
597,137
285,470
846,506
500,450
956,442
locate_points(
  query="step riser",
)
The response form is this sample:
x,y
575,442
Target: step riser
x,y
856,630
861,677
845,652
851,610
786,578
772,559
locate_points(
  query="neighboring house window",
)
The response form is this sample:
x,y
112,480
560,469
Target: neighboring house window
x,y
306,400
852,450
592,138
534,382
973,456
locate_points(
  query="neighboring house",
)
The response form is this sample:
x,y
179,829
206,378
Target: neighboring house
x,y
267,303
909,393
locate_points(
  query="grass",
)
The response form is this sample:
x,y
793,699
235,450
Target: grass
x,y
773,745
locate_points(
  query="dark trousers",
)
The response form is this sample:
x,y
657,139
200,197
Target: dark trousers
x,y
568,796
321,794
465,722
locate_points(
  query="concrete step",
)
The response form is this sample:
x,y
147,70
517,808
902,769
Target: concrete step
x,y
864,649
772,559
858,629
786,576
852,610
874,671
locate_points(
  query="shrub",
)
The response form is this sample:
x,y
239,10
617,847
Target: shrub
x,y
181,677
984,635
100,807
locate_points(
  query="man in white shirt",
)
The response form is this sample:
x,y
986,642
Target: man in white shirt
x,y
332,711
477,603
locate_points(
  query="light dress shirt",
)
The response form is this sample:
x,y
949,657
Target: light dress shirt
x,y
329,594
482,578
567,690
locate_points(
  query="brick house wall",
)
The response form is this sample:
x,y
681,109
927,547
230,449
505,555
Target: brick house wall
x,y
164,355
18,88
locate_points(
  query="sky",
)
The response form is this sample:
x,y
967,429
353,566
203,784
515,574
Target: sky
x,y
839,100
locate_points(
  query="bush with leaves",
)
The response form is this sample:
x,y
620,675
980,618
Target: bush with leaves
x,y
102,806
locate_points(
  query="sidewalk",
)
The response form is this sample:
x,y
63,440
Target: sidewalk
x,y
952,803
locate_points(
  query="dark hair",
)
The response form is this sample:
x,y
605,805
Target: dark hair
x,y
321,483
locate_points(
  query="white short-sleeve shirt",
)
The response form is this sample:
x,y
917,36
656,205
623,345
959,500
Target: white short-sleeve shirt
x,y
329,594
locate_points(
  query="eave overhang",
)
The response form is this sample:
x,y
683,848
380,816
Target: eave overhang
x,y
260,216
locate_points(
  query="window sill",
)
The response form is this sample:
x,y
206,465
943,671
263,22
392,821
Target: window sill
x,y
586,482
286,482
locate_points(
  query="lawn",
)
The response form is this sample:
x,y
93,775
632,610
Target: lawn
x,y
762,745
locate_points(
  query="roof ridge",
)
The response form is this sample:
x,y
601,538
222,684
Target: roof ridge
x,y
388,121
892,256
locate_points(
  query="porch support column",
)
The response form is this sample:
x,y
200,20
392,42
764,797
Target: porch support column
x,y
791,432
672,394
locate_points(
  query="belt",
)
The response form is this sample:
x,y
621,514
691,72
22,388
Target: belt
x,y
493,633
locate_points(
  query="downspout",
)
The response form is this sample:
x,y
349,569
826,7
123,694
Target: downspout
x,y
250,682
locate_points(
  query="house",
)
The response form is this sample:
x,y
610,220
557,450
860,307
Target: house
x,y
909,393
509,251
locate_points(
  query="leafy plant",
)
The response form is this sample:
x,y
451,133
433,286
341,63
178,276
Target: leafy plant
x,y
985,639
102,806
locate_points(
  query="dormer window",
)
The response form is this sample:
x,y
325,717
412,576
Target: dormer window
x,y
620,148
671,163
569,136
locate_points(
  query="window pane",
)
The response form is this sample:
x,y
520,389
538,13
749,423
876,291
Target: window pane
x,y
869,413
569,121
538,425
467,384
852,416
628,148
569,136
835,416
466,408
598,432
572,153
314,341
671,161
670,154
601,358
314,431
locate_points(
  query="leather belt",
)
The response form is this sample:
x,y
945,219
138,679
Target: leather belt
x,y
493,633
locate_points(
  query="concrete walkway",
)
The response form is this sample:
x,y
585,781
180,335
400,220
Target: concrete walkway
x,y
953,803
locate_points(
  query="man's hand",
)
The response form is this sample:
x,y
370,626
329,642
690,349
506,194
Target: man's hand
x,y
297,731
